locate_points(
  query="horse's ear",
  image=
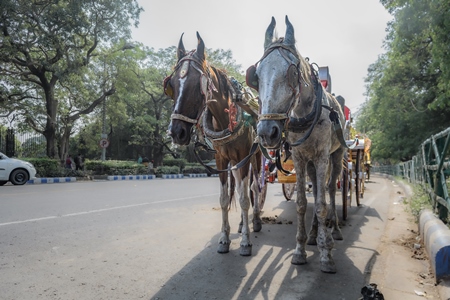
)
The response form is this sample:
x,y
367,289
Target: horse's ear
x,y
269,33
200,48
289,38
181,52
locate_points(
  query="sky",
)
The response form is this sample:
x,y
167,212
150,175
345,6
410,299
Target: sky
x,y
345,35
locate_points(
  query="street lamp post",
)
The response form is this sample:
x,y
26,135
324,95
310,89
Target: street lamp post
x,y
104,136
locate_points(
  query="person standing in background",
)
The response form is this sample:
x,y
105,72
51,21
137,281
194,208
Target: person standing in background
x,y
78,162
68,162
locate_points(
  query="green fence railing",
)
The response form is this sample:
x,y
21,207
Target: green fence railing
x,y
430,168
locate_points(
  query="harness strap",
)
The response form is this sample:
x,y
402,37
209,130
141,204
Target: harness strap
x,y
183,118
318,105
334,117
273,116
279,164
239,165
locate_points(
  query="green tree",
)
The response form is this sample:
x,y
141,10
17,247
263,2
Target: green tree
x,y
47,48
406,102
138,114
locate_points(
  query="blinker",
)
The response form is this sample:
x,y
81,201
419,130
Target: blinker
x,y
251,78
168,90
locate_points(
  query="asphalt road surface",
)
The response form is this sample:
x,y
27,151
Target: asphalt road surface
x,y
157,239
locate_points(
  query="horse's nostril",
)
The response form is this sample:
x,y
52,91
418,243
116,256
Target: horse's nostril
x,y
274,134
182,134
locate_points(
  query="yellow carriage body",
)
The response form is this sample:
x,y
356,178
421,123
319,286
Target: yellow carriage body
x,y
288,166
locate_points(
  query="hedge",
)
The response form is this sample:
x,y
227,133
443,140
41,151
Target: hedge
x,y
115,167
179,162
167,170
46,167
194,168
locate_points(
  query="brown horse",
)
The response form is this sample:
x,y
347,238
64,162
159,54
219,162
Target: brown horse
x,y
296,109
203,92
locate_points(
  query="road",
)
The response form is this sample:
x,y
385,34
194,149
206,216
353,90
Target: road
x,y
157,239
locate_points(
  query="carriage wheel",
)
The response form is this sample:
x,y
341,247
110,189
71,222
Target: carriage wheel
x,y
357,178
344,187
288,190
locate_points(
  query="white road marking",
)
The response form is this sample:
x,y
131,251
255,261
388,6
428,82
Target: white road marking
x,y
103,209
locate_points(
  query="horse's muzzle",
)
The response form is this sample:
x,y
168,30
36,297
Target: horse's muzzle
x,y
270,133
180,132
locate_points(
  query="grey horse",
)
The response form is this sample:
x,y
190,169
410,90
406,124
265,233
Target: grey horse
x,y
295,108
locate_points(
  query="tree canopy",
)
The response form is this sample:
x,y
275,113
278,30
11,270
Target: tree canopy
x,y
48,48
407,87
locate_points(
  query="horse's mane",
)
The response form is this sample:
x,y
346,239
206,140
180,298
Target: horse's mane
x,y
223,81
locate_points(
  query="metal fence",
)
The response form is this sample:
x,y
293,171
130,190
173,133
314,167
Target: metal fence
x,y
27,144
430,168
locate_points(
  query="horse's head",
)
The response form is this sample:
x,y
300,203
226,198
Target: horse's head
x,y
189,87
277,78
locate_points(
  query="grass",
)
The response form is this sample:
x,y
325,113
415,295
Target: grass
x,y
419,201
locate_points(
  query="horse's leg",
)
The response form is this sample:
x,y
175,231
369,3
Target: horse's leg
x,y
312,235
336,169
325,241
224,240
242,188
299,256
241,223
256,173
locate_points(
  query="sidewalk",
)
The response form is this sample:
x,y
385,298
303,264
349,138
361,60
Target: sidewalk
x,y
402,269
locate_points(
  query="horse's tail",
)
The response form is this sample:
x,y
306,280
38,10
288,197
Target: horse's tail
x,y
232,188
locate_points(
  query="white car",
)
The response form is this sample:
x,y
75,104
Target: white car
x,y
15,170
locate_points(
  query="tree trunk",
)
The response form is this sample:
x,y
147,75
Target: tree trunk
x,y
64,143
50,126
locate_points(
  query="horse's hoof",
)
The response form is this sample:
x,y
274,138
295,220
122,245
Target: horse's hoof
x,y
246,250
312,240
257,225
328,267
298,259
337,235
223,248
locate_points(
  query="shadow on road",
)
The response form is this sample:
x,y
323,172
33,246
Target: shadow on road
x,y
268,273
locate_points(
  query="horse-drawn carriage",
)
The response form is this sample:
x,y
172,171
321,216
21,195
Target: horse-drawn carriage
x,y
289,112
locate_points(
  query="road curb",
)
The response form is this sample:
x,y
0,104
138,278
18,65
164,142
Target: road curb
x,y
130,177
436,237
197,175
172,176
52,180
116,178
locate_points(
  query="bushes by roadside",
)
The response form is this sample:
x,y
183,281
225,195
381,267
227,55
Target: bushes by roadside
x,y
47,167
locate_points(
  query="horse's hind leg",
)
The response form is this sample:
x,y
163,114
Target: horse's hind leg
x,y
255,187
299,256
224,240
244,201
336,169
312,235
325,241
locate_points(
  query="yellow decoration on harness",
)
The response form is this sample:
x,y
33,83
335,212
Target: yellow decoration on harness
x,y
184,69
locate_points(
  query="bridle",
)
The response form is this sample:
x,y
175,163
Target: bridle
x,y
206,85
308,122
294,77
